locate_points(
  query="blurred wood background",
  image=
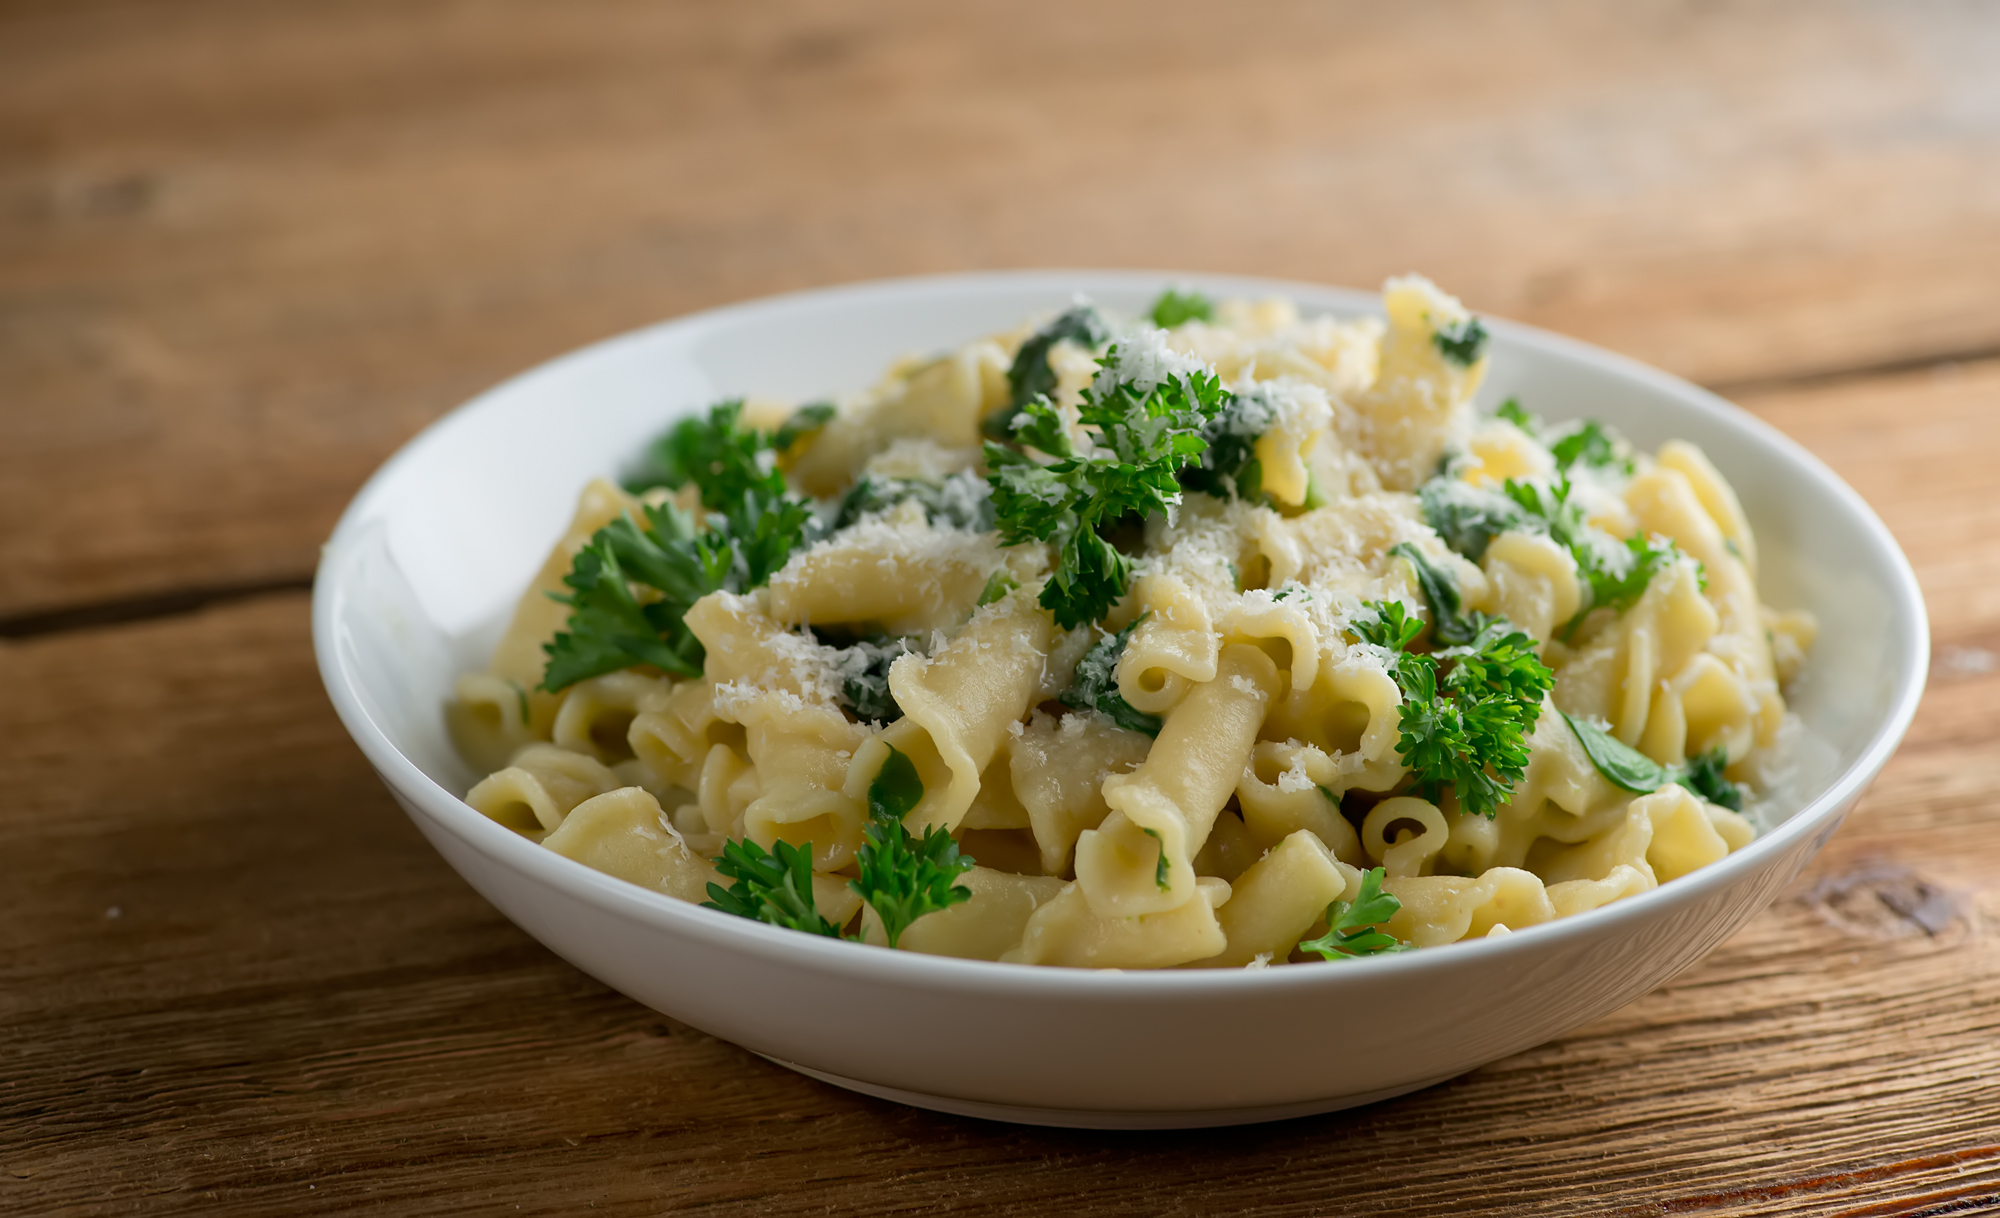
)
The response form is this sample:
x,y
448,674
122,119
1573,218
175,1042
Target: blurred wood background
x,y
248,249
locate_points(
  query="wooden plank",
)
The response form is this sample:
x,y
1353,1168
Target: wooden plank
x,y
233,979
246,249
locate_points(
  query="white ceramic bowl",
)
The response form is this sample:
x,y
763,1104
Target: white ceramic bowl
x,y
425,565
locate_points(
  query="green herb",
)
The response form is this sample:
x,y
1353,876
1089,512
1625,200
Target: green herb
x,y
961,501
1467,710
1614,574
1030,377
1096,685
1440,589
864,676
1703,775
774,887
903,877
521,699
610,627
1145,438
1350,925
1511,411
998,585
806,420
1159,866
717,453
1587,442
1628,769
1466,517
1462,342
1174,307
1229,468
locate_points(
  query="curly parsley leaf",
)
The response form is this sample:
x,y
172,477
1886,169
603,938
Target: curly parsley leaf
x,y
903,876
1440,589
1512,411
610,627
1145,437
1351,925
1586,442
1467,710
1030,376
1462,342
1628,769
773,887
998,585
805,421
1614,574
716,453
1096,685
1176,307
863,669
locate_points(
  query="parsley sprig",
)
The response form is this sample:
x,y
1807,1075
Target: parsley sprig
x,y
1177,307
903,876
1144,437
1030,377
631,585
774,886
1351,925
1467,710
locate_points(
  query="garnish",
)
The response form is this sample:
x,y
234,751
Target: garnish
x,y
806,420
864,676
903,877
1350,925
1461,342
1030,377
717,454
1148,430
1628,769
1160,866
1175,307
998,585
1229,468
1467,517
1440,589
771,887
1467,710
1614,575
752,526
1587,442
1096,685
960,501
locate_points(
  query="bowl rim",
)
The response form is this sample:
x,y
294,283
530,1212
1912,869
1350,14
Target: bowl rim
x,y
860,962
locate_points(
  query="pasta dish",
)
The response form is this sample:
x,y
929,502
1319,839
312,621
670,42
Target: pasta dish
x,y
1217,637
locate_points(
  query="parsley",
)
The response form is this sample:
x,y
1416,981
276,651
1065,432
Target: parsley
x,y
774,887
1350,925
717,454
806,420
1145,436
1462,342
1467,710
1175,307
1614,574
1628,769
1466,517
864,676
961,501
1229,468
1030,376
1440,589
1588,442
609,628
1159,866
998,585
1096,685
903,877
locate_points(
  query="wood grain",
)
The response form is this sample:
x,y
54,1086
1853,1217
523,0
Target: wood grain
x,y
247,249
233,979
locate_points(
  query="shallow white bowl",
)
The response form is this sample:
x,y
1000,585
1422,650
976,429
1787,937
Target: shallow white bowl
x,y
425,565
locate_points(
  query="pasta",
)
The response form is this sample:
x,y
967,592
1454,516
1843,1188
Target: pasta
x,y
1243,640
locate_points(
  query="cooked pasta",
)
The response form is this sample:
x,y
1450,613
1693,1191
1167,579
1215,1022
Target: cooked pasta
x,y
1238,642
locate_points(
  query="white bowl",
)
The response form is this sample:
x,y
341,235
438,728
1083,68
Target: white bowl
x,y
427,562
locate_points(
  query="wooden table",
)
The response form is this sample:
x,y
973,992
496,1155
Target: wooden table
x,y
247,249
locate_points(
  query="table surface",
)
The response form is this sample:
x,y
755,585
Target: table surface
x,y
246,250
